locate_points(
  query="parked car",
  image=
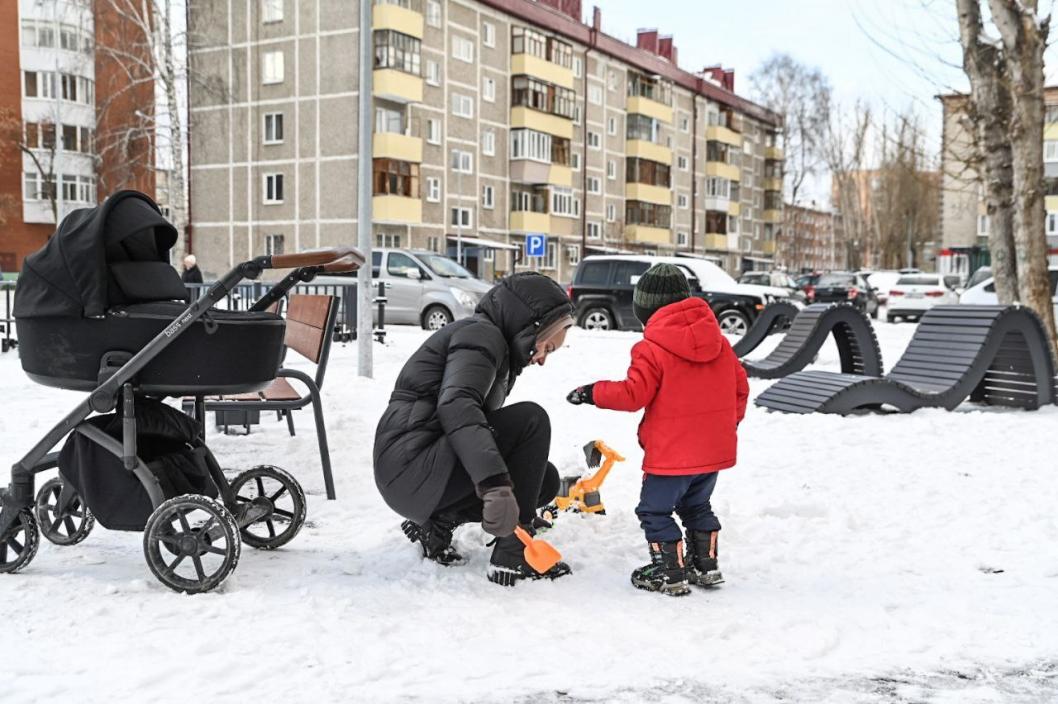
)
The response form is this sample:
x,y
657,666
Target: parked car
x,y
883,281
422,288
773,279
806,284
914,294
844,286
982,274
602,292
984,293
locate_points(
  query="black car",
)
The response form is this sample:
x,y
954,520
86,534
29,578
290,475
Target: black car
x,y
602,294
846,287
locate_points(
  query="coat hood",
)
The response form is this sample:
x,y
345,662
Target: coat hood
x,y
520,306
687,329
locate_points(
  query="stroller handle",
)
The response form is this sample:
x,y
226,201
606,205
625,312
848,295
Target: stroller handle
x,y
314,258
350,262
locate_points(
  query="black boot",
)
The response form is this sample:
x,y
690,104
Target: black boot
x,y
702,566
507,566
666,572
435,539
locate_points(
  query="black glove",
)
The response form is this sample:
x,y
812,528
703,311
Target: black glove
x,y
499,513
581,394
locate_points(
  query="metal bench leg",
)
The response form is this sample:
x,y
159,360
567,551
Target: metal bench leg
x,y
321,435
290,421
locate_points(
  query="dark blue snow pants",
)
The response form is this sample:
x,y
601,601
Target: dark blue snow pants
x,y
687,495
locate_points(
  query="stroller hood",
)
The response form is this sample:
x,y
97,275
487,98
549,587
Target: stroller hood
x,y
70,275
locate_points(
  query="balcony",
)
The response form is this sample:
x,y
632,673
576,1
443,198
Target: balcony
x,y
404,17
648,235
719,133
768,248
643,149
543,69
648,193
773,153
396,209
640,105
715,241
528,118
734,209
529,221
388,145
773,216
1050,204
720,169
398,86
773,183
537,172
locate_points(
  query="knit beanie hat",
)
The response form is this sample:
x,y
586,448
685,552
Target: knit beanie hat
x,y
661,285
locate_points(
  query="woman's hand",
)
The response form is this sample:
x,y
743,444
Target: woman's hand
x,y
581,394
499,513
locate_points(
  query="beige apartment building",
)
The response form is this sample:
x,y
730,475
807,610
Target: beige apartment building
x,y
493,120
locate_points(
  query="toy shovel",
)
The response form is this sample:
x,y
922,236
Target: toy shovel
x,y
540,554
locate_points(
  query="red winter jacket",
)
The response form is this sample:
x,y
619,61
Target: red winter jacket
x,y
693,387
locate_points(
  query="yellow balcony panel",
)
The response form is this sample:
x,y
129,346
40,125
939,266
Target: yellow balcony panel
x,y
1050,203
560,176
650,108
543,69
525,221
768,248
773,183
387,145
397,86
716,241
722,170
772,216
648,150
648,193
541,121
719,133
1050,130
396,209
399,19
734,209
650,235
773,153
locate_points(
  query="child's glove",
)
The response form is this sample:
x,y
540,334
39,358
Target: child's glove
x,y
581,394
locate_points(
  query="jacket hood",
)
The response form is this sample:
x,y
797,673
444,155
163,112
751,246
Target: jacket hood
x,y
687,329
520,306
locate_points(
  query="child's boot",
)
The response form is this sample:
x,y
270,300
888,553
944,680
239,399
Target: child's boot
x,y
507,566
666,572
435,539
702,566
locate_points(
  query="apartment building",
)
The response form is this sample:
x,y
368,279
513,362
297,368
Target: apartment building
x,y
964,218
493,120
812,240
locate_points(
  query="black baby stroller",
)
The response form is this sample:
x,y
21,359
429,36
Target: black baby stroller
x,y
100,310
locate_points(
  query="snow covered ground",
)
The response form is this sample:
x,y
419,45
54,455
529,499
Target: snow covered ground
x,y
874,558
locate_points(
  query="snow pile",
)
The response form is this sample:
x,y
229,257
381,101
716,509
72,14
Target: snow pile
x,y
867,558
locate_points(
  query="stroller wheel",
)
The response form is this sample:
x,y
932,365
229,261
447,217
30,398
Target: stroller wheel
x,y
18,545
67,525
273,504
200,540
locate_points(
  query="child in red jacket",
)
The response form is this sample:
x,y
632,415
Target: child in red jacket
x,y
694,390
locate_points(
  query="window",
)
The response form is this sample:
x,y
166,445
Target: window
x,y
488,143
488,197
682,163
462,49
560,151
271,10
611,212
611,169
1052,224
1051,115
533,145
681,200
273,127
645,87
595,95
29,82
398,51
681,239
274,245
594,273
1050,150
31,186
391,177
69,188
594,185
562,202
684,127
643,127
648,214
651,173
433,190
433,131
573,254
528,199
462,105
538,95
488,90
594,230
388,120
717,187
627,273
382,240
575,161
611,80
578,67
273,188
433,243
551,259
611,126
433,73
529,41
69,87
47,136
461,217
272,67
433,13
86,140
594,140
488,34
576,114
68,39
399,264
462,162
69,138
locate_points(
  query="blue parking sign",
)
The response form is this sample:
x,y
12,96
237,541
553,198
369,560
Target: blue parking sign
x,y
535,245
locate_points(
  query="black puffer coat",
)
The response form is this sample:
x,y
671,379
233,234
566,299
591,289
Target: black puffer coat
x,y
436,416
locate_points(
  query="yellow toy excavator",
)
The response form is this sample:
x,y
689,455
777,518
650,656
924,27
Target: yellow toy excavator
x,y
581,494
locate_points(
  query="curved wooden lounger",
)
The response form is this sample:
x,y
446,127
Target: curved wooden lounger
x,y
852,331
775,317
997,355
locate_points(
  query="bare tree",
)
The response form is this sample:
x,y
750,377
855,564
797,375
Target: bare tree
x,y
846,147
988,109
1024,35
40,142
